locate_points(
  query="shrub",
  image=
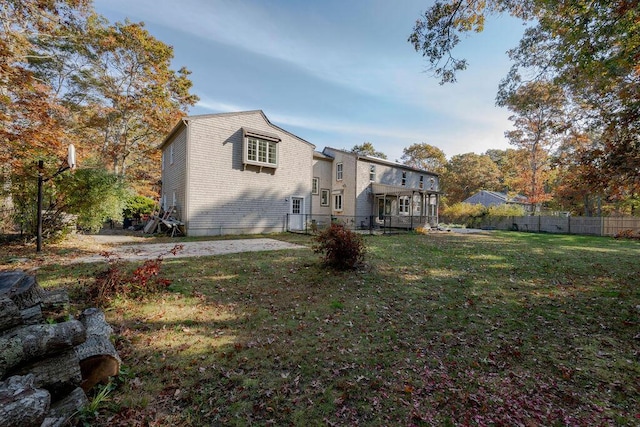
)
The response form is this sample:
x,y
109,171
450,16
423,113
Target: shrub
x,y
136,206
627,234
115,281
464,213
342,248
506,210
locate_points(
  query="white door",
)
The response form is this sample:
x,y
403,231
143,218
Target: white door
x,y
296,217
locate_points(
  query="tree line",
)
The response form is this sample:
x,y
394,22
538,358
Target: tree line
x,y
573,89
68,76
549,182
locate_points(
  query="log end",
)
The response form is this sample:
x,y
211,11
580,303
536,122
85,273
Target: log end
x,y
98,369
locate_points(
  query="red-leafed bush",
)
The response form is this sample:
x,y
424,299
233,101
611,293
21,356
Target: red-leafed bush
x,y
342,249
116,281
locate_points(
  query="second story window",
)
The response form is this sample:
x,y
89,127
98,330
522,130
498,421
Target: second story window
x,y
171,154
372,173
421,182
314,185
339,172
404,178
262,151
260,148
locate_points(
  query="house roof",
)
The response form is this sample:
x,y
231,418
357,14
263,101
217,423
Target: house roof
x,y
378,160
396,190
319,155
183,122
503,197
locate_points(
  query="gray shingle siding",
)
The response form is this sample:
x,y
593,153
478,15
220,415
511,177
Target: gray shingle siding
x,y
224,196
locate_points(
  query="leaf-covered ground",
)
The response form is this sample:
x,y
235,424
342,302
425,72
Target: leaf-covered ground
x,y
440,329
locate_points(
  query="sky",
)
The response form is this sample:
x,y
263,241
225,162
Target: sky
x,y
336,73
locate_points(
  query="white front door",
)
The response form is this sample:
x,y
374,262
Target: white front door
x,y
296,217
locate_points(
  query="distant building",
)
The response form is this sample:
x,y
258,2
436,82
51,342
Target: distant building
x,y
494,198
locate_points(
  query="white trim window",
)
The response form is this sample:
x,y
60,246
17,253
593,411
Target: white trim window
x,y
339,168
171,154
163,155
404,178
261,152
324,197
372,173
404,205
421,182
315,185
337,202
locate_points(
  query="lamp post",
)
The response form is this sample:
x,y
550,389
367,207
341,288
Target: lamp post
x,y
71,164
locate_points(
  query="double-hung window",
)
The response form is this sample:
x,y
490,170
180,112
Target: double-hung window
x,y
404,205
372,173
260,148
421,182
314,186
339,172
337,202
404,178
324,197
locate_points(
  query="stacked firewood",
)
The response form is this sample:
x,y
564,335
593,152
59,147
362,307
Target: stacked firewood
x,y
48,360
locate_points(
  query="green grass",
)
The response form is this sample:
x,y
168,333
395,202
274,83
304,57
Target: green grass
x,y
438,329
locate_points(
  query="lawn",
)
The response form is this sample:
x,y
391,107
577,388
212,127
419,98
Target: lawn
x,y
437,329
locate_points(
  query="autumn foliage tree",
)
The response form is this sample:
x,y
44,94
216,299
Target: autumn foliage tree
x,y
590,49
469,173
424,156
69,76
539,124
367,149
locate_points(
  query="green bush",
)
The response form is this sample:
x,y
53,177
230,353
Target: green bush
x,y
464,213
499,211
342,248
136,206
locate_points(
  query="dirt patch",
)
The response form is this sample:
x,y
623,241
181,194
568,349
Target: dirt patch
x,y
142,251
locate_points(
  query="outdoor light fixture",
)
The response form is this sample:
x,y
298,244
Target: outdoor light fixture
x,y
71,164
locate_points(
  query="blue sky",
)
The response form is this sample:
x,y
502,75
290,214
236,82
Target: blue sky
x,y
336,73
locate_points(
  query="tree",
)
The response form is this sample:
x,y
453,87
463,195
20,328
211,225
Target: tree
x,y
68,76
424,156
367,149
466,174
589,48
539,122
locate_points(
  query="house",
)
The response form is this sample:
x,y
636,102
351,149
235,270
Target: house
x,y
366,190
493,198
233,173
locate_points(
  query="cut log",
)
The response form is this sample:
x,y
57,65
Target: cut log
x,y
25,343
23,289
99,359
32,315
55,304
59,375
21,403
64,409
9,314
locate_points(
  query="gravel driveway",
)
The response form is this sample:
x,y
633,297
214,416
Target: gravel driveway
x,y
145,251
